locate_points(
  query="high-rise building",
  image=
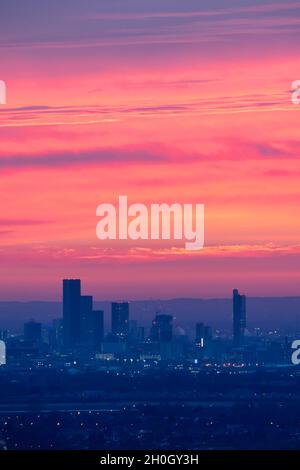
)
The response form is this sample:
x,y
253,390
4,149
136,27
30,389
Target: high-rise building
x,y
200,334
208,334
97,329
203,334
162,328
71,312
33,332
120,319
136,333
56,335
140,333
132,330
86,308
239,317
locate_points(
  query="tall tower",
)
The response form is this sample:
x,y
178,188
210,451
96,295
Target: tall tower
x,y
33,332
97,329
71,312
203,334
162,328
239,317
120,319
86,308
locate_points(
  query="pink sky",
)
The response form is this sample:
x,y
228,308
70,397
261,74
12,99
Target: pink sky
x,y
163,102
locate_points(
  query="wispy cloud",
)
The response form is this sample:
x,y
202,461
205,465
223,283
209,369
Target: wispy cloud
x,y
264,8
188,25
84,158
92,114
152,154
20,222
157,254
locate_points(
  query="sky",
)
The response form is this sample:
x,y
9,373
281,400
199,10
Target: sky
x,y
162,101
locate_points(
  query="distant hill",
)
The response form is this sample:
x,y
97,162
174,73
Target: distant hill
x,y
283,312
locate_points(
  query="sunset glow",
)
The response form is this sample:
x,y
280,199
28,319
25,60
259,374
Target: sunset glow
x,y
183,102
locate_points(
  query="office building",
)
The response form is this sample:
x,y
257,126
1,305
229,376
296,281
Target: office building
x,y
162,328
120,319
97,329
86,308
33,332
71,312
239,317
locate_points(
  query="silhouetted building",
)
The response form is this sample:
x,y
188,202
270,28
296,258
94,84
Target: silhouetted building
x,y
97,329
33,332
200,334
56,335
71,312
140,333
162,328
239,317
208,335
120,319
132,330
203,334
86,308
136,333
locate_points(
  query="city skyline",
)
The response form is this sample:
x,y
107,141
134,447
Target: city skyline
x,y
281,312
81,325
79,336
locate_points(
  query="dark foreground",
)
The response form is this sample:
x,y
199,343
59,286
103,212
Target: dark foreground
x,y
215,409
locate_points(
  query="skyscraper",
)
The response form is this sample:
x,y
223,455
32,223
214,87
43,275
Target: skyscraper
x,y
86,308
97,329
203,334
239,317
162,328
120,319
33,332
200,334
71,312
56,338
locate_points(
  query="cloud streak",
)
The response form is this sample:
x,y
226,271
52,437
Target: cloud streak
x,y
190,25
56,160
93,114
